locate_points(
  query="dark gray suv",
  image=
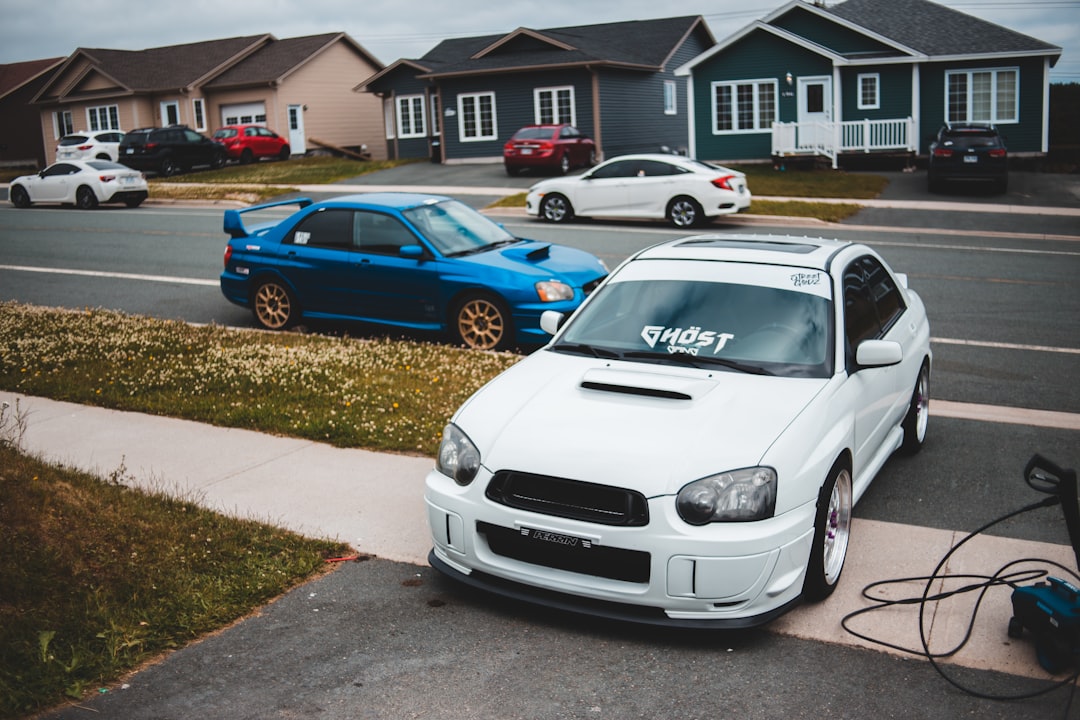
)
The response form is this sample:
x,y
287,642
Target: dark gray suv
x,y
968,152
169,150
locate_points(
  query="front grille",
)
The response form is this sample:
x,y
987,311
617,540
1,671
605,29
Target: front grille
x,y
556,551
570,499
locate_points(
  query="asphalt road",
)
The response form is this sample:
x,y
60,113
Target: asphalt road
x,y
386,640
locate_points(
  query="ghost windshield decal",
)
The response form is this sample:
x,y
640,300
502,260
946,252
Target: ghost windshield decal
x,y
691,340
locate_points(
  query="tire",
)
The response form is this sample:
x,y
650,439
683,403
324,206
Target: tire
x,y
684,212
285,153
832,533
512,171
168,167
218,161
19,197
482,323
564,164
274,305
556,208
104,156
85,199
592,159
247,157
918,414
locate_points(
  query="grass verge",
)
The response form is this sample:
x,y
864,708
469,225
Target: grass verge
x,y
96,579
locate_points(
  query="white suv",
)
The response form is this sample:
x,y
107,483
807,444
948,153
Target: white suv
x,y
101,145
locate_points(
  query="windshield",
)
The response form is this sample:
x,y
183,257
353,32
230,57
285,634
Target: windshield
x,y
455,228
756,319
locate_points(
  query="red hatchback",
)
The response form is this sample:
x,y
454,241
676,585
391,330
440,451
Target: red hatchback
x,y
248,143
549,147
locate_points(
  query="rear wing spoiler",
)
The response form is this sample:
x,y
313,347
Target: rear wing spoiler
x,y
234,224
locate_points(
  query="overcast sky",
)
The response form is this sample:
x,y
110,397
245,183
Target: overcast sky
x,y
394,29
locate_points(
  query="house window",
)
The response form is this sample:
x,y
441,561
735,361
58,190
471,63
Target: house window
x,y
869,91
410,116
198,110
743,106
554,105
106,117
983,95
476,117
436,128
670,98
62,123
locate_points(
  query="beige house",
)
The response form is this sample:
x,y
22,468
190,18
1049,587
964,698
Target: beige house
x,y
302,88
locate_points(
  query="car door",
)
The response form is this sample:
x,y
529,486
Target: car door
x,y
654,183
317,260
872,308
604,190
55,183
393,287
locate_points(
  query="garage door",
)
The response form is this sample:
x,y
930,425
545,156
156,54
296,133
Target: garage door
x,y
244,114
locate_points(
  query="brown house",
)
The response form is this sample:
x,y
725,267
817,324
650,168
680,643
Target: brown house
x,y
299,87
20,139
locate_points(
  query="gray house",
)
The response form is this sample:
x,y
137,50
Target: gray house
x,y
615,81
865,76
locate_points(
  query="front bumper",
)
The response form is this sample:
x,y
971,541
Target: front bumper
x,y
729,575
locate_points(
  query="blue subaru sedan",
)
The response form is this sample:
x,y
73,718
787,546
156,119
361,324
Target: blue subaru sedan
x,y
408,260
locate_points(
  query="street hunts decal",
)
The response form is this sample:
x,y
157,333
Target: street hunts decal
x,y
691,341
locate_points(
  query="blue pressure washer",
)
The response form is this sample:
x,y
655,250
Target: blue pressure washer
x,y
1051,610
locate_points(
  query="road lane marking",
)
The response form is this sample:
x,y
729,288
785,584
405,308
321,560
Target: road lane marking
x,y
114,275
1005,346
1003,414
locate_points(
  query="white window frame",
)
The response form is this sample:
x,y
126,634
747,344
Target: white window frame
x,y
760,124
411,116
873,103
389,120
165,105
671,98
1011,115
553,93
478,135
63,123
436,127
103,117
198,112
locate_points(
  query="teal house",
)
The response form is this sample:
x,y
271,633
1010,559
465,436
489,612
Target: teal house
x,y
864,76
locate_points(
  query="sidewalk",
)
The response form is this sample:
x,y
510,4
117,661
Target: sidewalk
x,y
374,501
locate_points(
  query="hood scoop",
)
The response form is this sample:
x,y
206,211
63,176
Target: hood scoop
x,y
645,384
534,252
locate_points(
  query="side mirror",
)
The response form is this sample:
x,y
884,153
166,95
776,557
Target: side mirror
x,y
551,321
879,353
413,252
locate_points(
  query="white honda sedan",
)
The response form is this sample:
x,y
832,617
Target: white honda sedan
x,y
688,448
684,191
84,184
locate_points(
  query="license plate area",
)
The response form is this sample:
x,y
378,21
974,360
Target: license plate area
x,y
971,158
566,552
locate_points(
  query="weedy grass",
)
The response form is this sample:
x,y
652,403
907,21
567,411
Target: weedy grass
x,y
96,578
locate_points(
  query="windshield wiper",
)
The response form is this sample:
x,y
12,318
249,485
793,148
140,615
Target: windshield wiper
x,y
697,361
485,248
583,349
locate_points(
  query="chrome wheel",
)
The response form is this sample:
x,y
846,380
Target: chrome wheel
x,y
482,324
837,527
556,208
918,415
274,306
684,212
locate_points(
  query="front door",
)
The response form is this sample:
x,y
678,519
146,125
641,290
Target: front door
x,y
815,112
297,142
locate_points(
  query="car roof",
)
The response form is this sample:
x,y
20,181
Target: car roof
x,y
392,200
817,253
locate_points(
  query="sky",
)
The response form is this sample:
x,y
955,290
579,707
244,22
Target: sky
x,y
395,29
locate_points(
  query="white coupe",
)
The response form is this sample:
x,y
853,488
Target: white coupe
x,y
688,448
82,183
684,191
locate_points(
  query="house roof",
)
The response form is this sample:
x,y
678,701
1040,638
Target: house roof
x,y
635,44
278,59
935,30
14,75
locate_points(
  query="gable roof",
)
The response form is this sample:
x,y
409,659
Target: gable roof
x,y
278,59
15,75
645,45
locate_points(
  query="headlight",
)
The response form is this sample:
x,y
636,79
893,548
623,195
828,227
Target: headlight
x,y
553,291
736,496
458,457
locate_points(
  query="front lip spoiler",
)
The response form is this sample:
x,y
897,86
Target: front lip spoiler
x,y
622,612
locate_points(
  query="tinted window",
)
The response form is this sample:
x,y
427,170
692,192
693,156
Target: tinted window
x,y
534,134
381,234
60,169
324,228
621,168
72,140
872,301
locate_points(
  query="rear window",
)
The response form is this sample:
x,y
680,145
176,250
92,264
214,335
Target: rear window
x,y
964,139
73,140
534,134
224,133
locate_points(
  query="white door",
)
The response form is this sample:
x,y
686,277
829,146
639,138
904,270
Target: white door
x,y
815,112
296,130
170,113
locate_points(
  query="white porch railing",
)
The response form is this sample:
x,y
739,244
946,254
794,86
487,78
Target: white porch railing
x,y
829,139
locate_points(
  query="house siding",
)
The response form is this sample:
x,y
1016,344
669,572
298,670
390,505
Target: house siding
x,y
758,56
828,33
894,92
1024,136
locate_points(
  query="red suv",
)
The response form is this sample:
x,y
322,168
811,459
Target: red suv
x,y
248,143
548,147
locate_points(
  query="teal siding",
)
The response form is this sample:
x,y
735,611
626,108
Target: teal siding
x,y
894,92
1024,136
829,34
758,56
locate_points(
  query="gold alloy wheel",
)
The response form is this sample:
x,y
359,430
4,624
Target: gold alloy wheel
x,y
481,324
273,306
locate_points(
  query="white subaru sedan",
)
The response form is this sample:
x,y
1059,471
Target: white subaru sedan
x,y
688,448
684,191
